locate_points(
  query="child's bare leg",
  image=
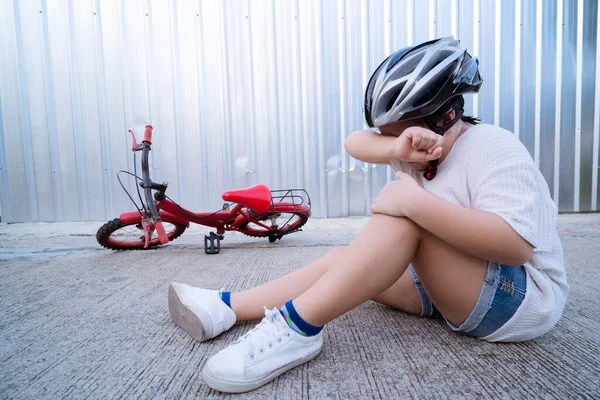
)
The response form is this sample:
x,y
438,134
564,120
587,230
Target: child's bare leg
x,y
248,304
378,257
402,295
372,263
452,278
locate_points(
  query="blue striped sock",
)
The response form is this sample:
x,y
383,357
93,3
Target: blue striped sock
x,y
226,297
295,321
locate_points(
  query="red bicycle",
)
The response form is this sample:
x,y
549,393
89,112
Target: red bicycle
x,y
256,211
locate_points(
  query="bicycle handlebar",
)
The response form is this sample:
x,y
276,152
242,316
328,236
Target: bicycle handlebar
x,y
147,184
148,134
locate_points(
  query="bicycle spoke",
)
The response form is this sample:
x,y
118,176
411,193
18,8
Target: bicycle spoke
x,y
134,234
282,221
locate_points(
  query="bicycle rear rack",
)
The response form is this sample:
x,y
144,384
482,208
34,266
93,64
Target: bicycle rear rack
x,y
296,197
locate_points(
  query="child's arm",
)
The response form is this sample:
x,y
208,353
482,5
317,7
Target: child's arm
x,y
414,144
480,233
483,234
369,146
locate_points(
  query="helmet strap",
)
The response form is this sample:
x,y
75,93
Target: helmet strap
x,y
440,130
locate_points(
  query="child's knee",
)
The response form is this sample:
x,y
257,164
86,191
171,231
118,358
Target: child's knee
x,y
396,223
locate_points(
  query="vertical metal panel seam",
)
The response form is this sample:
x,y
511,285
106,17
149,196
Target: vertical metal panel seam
x,y
432,19
578,99
557,115
201,90
308,111
298,90
76,111
51,117
387,27
24,111
517,105
127,108
227,99
476,18
279,161
364,26
497,40
410,22
595,166
538,82
103,114
454,19
389,24
343,104
320,92
251,80
176,71
6,210
364,40
149,46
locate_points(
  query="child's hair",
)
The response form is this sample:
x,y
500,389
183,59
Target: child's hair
x,y
455,103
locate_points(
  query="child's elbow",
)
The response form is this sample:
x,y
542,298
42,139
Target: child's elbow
x,y
526,253
523,254
354,141
349,146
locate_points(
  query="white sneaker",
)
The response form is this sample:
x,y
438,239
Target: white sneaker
x,y
260,356
200,312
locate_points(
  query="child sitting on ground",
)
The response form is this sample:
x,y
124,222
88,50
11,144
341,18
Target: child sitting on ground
x,y
467,233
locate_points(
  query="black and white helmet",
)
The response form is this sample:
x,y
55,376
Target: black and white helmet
x,y
416,81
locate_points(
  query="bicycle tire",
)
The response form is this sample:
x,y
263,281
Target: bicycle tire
x,y
273,235
103,236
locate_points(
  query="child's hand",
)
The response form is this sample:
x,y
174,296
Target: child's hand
x,y
396,197
418,144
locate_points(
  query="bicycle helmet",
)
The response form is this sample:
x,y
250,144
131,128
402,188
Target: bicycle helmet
x,y
416,81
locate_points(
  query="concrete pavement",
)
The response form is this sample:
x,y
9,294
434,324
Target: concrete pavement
x,y
78,321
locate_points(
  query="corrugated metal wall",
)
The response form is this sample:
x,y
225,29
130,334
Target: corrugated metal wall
x,y
241,92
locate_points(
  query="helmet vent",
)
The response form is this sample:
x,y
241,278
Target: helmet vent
x,y
431,93
393,99
409,65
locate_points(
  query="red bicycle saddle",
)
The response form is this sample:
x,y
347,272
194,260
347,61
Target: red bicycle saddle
x,y
257,197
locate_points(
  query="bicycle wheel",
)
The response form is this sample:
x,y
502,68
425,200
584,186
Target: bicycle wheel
x,y
283,222
116,235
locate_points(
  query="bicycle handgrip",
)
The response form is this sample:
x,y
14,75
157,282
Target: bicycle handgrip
x,y
148,134
161,232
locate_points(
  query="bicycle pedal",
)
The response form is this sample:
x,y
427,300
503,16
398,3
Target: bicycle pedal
x,y
212,243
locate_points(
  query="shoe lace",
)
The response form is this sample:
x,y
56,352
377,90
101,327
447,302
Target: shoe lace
x,y
263,334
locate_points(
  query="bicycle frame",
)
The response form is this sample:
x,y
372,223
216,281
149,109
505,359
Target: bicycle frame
x,y
222,220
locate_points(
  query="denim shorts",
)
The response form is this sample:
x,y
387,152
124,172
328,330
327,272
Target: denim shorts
x,y
501,295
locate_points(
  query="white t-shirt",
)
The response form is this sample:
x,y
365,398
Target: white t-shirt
x,y
489,169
